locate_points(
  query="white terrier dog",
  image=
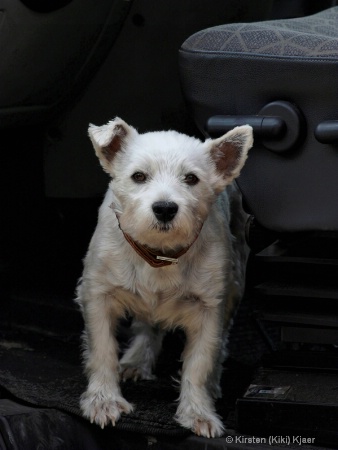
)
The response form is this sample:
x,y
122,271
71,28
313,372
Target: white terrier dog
x,y
163,251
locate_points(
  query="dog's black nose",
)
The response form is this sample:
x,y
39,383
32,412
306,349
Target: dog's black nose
x,y
165,211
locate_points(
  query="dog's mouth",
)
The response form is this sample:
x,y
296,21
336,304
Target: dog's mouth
x,y
162,227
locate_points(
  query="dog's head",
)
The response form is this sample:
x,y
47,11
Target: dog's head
x,y
164,183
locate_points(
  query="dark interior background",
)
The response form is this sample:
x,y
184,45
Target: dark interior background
x,y
65,64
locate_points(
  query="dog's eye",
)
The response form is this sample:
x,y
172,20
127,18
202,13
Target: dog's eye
x,y
139,177
191,179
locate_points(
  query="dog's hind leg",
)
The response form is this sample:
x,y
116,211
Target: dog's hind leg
x,y
140,358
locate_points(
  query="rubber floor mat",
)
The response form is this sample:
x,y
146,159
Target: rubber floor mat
x,y
48,373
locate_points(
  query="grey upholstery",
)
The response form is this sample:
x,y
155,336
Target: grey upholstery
x,y
237,69
314,36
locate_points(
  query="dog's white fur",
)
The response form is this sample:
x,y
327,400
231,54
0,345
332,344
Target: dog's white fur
x,y
197,294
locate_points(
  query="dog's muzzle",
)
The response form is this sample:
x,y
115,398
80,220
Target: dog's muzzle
x,y
165,211
152,257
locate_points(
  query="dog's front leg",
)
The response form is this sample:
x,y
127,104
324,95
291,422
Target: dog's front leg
x,y
102,402
196,409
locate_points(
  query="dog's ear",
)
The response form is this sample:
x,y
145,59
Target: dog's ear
x,y
109,139
230,151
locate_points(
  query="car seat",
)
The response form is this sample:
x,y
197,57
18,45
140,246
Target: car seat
x,y
285,69
280,76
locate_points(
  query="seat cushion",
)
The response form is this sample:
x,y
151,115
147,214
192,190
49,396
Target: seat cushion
x,y
313,36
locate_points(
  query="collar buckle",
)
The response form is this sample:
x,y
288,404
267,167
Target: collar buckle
x,y
165,258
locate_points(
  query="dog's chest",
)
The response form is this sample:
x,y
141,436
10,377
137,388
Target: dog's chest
x,y
159,285
150,293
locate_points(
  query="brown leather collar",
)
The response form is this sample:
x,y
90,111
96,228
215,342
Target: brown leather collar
x,y
155,259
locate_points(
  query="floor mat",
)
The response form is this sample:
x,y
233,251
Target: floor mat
x,y
46,372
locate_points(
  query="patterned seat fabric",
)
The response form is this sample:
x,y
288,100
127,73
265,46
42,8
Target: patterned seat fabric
x,y
314,36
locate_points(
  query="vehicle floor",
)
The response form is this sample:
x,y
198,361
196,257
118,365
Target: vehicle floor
x,y
41,381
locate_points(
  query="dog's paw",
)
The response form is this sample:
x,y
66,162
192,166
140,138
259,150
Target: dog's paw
x,y
103,410
209,426
135,373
